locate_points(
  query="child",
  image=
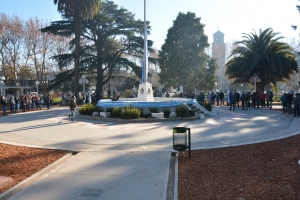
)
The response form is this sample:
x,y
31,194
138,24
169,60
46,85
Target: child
x,y
72,105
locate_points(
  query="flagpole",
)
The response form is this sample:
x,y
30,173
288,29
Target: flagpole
x,y
145,47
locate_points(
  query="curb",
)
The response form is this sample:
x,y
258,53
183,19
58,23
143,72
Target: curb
x,y
142,120
25,183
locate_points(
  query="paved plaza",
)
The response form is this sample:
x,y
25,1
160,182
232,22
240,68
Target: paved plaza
x,y
128,160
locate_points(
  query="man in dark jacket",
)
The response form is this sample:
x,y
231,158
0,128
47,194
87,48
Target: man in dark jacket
x,y
232,100
289,101
221,98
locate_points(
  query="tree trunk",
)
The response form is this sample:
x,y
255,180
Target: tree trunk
x,y
77,31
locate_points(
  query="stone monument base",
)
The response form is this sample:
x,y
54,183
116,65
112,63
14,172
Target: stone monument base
x,y
145,92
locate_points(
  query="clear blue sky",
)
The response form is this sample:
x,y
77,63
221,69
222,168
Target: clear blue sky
x,y
232,17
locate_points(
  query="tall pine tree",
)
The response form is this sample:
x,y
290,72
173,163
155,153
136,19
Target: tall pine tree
x,y
182,59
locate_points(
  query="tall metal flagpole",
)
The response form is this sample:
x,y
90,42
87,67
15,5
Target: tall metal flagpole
x,y
145,47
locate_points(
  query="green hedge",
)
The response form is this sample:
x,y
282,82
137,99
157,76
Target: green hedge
x,y
130,113
88,109
182,111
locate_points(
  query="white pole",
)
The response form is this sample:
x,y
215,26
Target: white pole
x,y
83,86
145,46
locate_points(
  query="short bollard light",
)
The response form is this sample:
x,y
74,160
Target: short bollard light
x,y
182,139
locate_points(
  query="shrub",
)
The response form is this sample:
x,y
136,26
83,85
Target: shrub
x,y
128,93
130,113
153,110
116,112
166,113
100,109
208,106
109,109
182,111
191,113
88,109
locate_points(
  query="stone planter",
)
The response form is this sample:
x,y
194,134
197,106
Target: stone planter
x,y
158,115
105,114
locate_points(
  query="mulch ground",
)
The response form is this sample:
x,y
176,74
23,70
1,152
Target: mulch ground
x,y
20,162
267,170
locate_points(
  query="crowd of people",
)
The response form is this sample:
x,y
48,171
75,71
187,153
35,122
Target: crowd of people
x,y
18,104
255,100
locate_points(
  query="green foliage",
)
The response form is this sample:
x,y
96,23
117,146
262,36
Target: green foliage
x,y
264,54
182,111
130,113
88,109
102,50
191,113
57,100
166,112
117,112
128,93
109,109
182,58
153,110
208,106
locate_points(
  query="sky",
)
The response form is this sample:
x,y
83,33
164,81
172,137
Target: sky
x,y
232,17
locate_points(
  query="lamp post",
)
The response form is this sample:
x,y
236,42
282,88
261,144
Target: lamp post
x,y
241,87
255,79
83,81
37,87
2,85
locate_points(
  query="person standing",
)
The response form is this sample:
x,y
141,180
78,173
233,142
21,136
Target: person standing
x,y
289,101
4,105
247,98
237,99
218,98
283,100
83,99
222,98
48,101
109,93
37,102
257,99
45,96
263,99
271,99
267,98
253,98
72,106
232,100
63,99
297,105
12,105
17,100
243,100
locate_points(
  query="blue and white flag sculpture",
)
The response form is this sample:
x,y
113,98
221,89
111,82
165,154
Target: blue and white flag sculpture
x,y
228,96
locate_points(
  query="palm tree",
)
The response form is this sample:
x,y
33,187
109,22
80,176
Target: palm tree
x,y
263,54
79,10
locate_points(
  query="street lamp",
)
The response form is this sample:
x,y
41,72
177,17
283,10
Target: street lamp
x,y
255,79
37,87
241,87
83,81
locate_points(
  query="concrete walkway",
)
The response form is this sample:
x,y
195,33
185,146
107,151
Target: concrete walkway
x,y
128,160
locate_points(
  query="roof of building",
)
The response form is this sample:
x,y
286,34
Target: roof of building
x,y
218,33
